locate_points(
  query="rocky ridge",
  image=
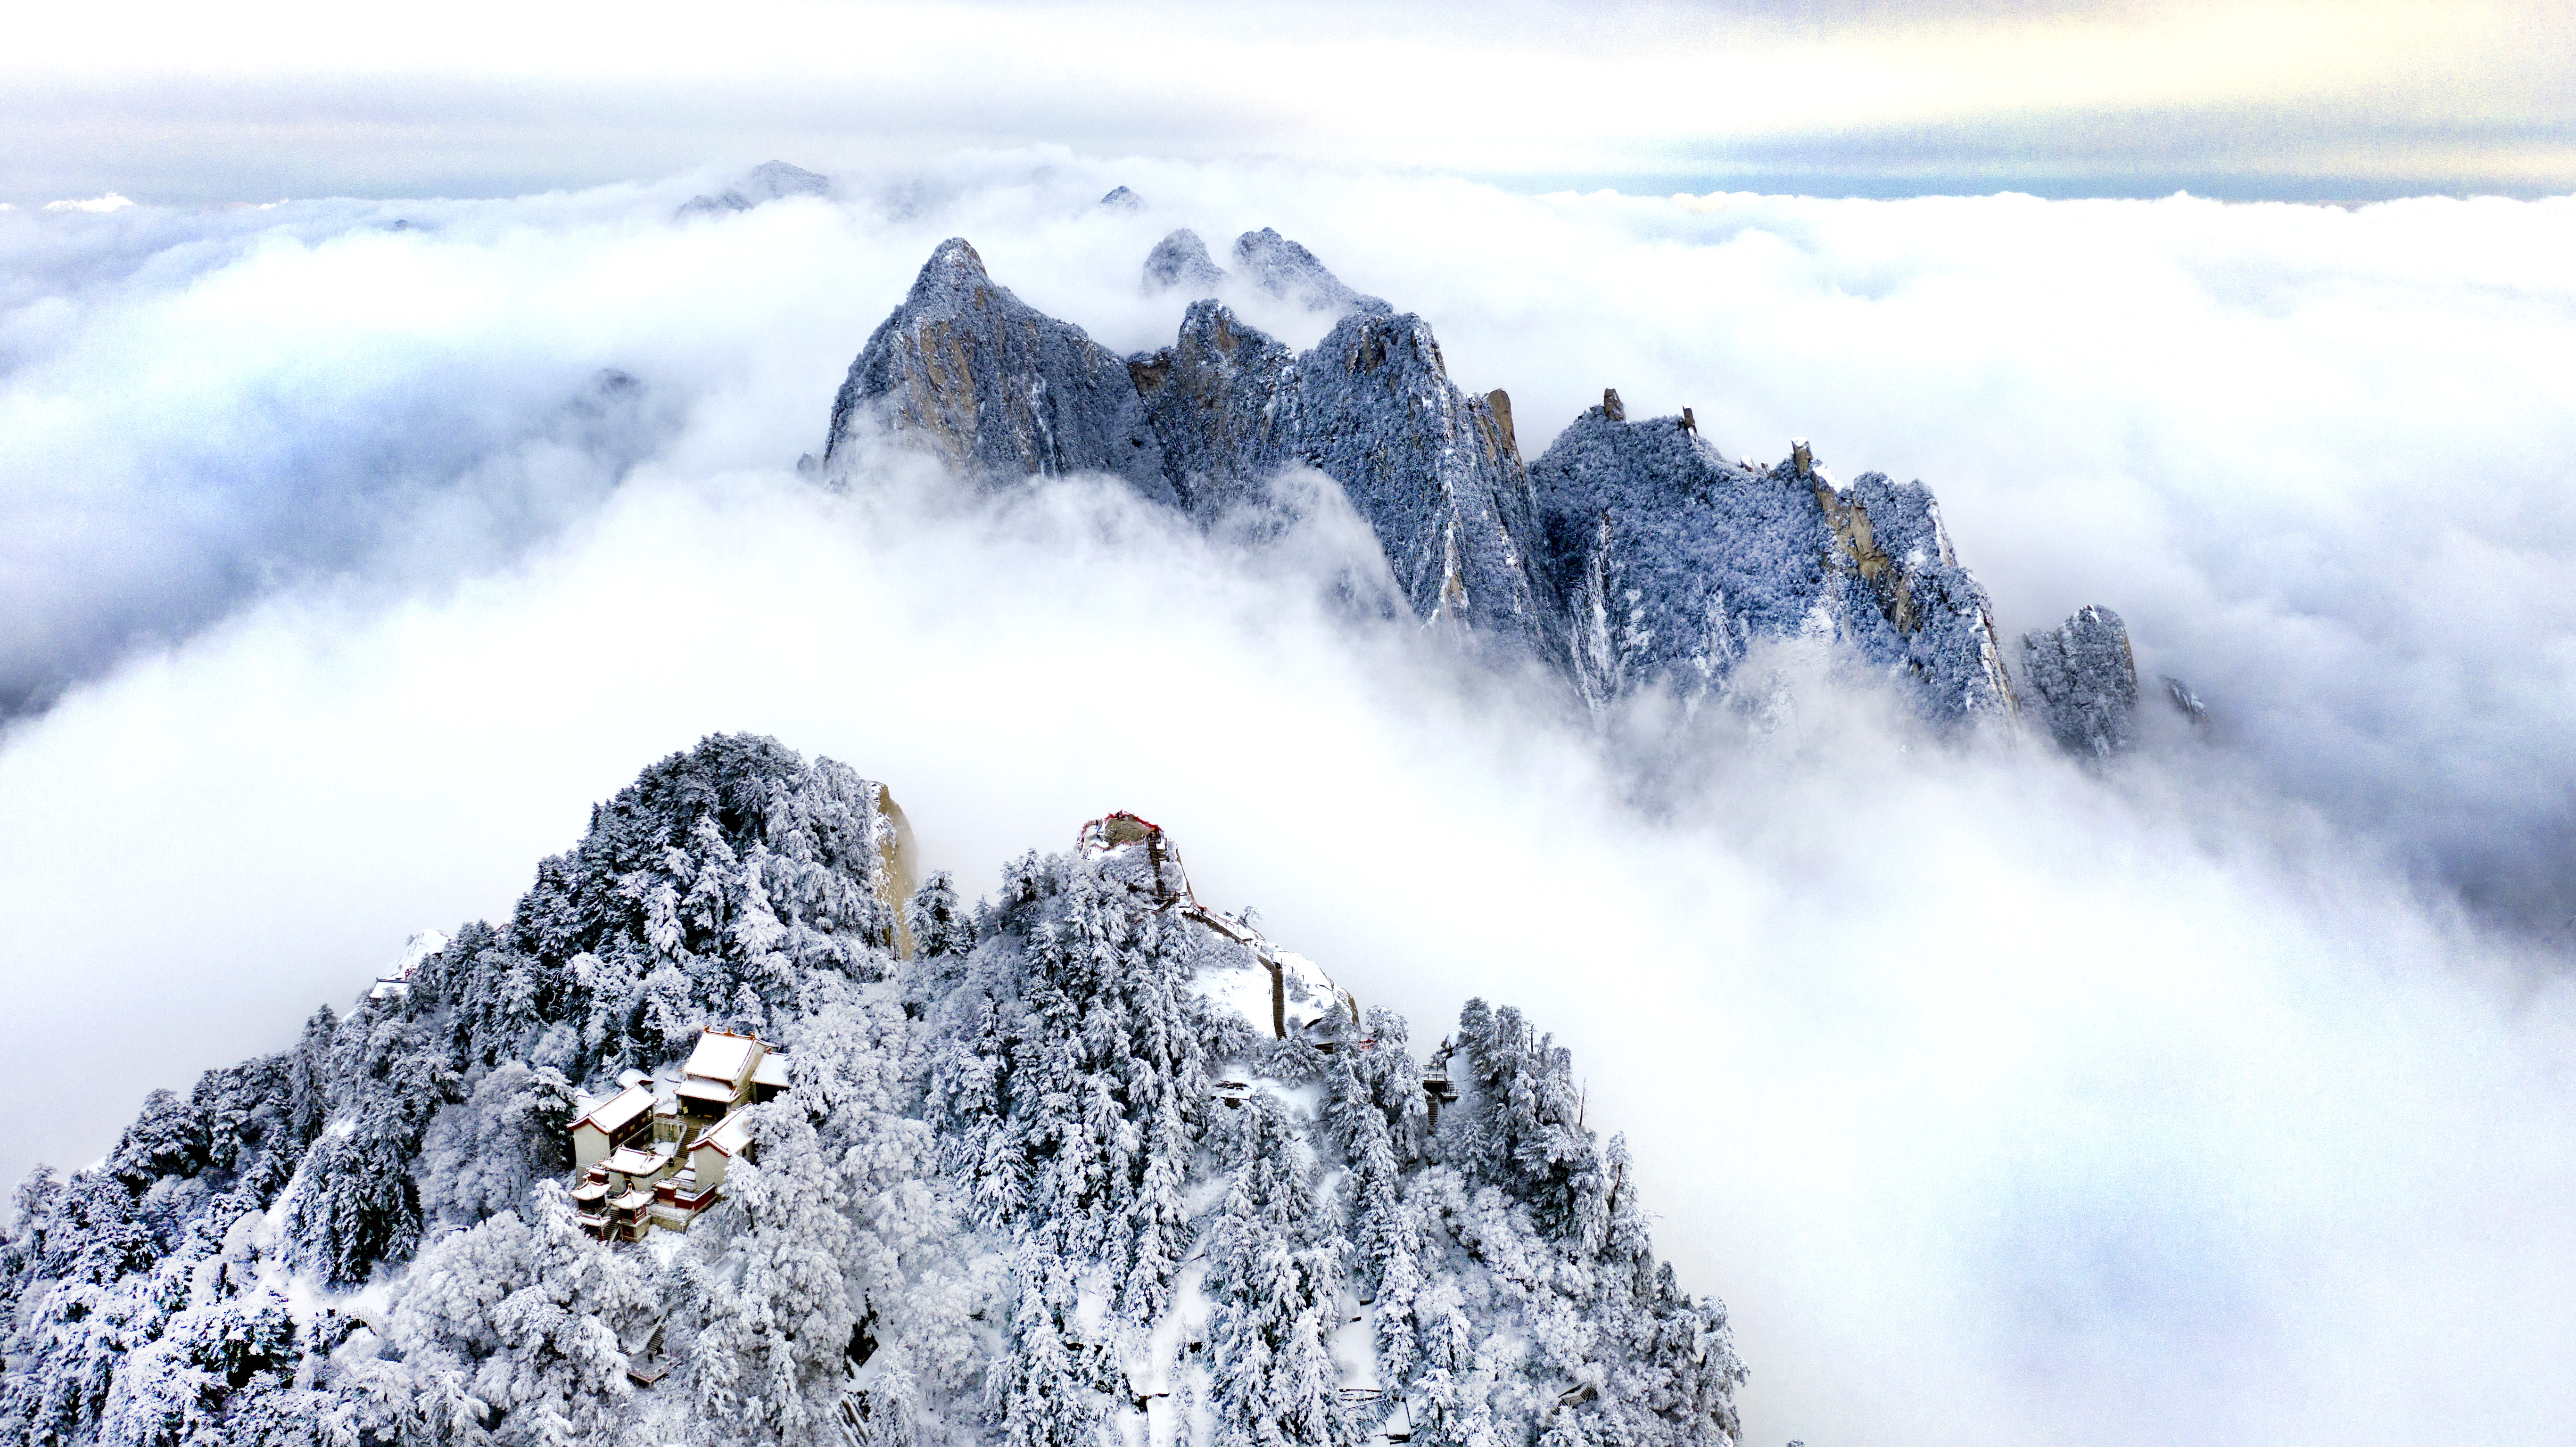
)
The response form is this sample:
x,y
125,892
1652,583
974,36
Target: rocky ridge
x,y
1631,555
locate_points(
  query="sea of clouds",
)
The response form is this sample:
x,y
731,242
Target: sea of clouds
x,y
349,551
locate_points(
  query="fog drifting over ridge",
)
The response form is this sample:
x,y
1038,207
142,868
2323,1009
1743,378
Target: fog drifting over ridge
x,y
2000,1100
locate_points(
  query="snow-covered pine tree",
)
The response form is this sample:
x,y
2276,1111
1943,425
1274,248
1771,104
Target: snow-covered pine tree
x,y
524,1325
1522,1122
941,927
1047,1393
782,1290
1074,1075
1375,1101
1275,1265
485,1153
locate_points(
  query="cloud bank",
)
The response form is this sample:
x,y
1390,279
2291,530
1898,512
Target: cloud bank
x,y
2225,1096
2295,99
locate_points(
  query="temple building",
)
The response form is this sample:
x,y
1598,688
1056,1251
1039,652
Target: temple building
x,y
655,1153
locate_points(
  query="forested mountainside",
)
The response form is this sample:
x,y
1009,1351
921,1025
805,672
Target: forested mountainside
x,y
1631,555
1082,1161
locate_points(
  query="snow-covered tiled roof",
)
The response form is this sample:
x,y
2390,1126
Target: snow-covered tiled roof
x,y
628,1161
772,1070
728,1135
722,1056
618,1111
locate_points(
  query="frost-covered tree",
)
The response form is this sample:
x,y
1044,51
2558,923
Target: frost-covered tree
x,y
1073,1076
940,926
1380,1075
1521,1124
782,1280
357,1203
1047,1396
310,1081
483,1154
203,1380
1275,1273
521,1328
1385,1242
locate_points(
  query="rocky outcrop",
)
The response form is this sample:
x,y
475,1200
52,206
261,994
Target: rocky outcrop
x,y
966,370
1221,400
1430,467
1281,268
994,387
1122,199
768,181
2084,684
1180,261
1667,562
1891,549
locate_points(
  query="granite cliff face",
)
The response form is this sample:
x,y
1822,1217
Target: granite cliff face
x,y
1431,467
994,387
1631,555
1000,391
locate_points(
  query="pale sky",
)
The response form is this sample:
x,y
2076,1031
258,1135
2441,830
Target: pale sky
x,y
2261,100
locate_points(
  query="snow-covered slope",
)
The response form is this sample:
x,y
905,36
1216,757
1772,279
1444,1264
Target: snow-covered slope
x,y
1082,1161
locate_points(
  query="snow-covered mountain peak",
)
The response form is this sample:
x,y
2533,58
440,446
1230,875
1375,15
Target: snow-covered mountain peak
x,y
1094,1162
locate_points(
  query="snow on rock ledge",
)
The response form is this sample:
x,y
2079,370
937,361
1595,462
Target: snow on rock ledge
x,y
1277,991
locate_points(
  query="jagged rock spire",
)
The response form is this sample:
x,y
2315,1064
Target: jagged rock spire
x,y
1432,468
996,388
1665,564
2085,683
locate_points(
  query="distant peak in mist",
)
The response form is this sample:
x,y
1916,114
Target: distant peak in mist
x,y
766,182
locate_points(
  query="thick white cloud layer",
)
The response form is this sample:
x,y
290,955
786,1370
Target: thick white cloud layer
x,y
2003,1101
2277,98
